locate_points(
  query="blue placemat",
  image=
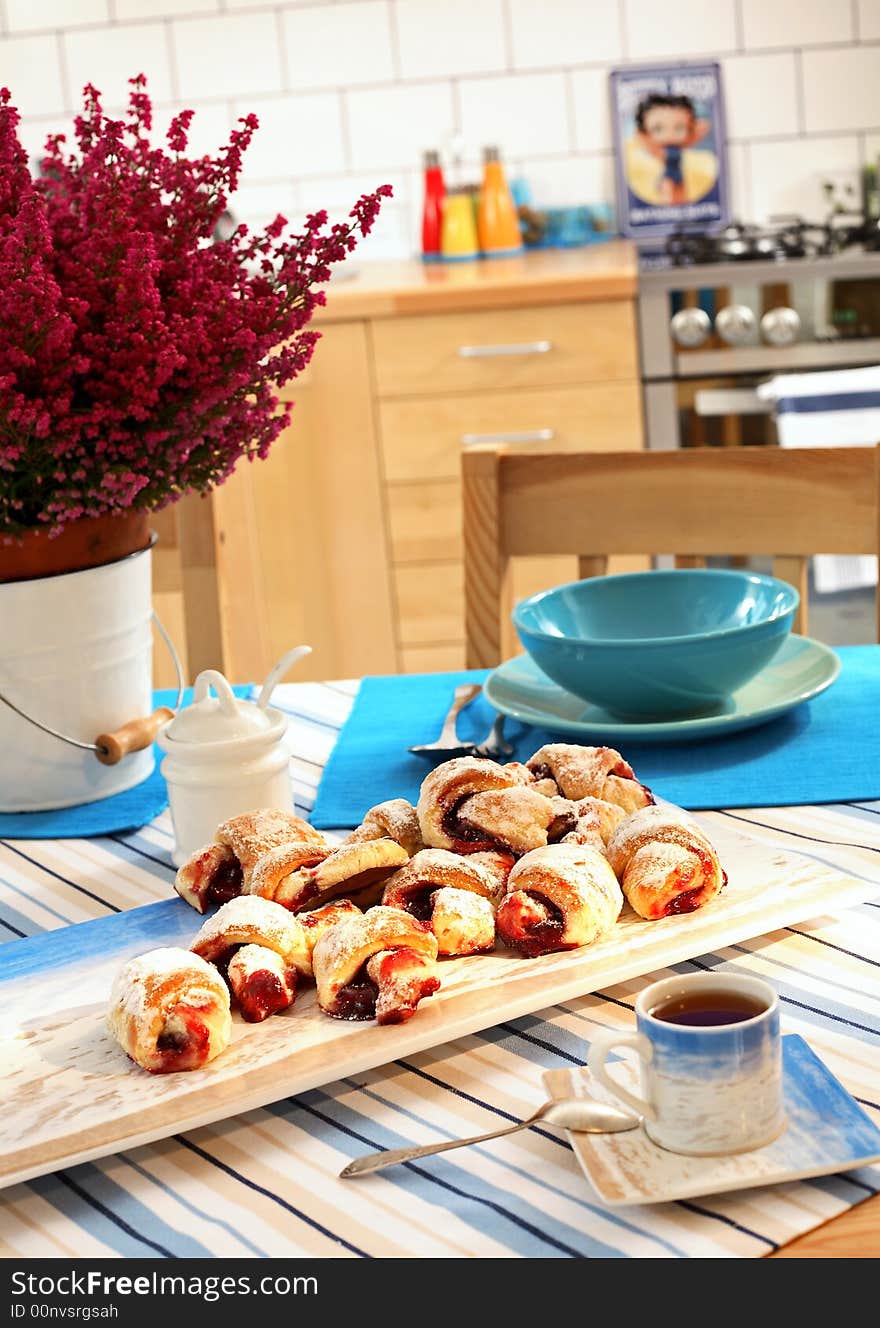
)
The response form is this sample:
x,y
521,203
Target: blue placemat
x,y
827,750
124,811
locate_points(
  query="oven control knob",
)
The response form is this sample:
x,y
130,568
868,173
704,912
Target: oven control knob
x,y
690,327
736,324
780,326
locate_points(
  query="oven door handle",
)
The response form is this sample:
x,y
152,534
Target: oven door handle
x,y
731,401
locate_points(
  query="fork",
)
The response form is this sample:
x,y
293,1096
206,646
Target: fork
x,y
448,743
495,743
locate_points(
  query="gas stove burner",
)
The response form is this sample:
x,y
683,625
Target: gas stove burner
x,y
783,239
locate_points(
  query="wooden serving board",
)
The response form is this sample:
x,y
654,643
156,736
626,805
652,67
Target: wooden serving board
x,y
70,1094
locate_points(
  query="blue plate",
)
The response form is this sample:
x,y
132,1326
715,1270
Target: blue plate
x,y
802,669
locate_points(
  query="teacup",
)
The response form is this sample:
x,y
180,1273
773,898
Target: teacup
x,y
711,1063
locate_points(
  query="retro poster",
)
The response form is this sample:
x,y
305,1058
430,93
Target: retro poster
x,y
668,125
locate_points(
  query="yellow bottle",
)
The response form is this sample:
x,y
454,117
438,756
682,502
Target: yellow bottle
x,y
497,220
458,239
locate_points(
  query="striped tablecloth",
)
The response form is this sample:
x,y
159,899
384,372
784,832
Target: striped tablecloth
x,y
265,1183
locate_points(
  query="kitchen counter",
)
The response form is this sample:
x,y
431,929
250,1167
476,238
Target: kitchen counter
x,y
604,271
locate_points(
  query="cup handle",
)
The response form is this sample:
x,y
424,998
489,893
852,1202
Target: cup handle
x,y
599,1051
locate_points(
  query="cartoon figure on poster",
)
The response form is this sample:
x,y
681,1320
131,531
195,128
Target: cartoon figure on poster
x,y
670,148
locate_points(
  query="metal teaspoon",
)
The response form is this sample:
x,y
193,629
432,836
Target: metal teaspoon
x,y
581,1114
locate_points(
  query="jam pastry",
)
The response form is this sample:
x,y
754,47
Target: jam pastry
x,y
221,871
265,929
352,871
318,920
559,897
402,978
464,923
469,804
350,987
665,863
261,982
275,874
590,772
169,1010
433,887
595,822
395,819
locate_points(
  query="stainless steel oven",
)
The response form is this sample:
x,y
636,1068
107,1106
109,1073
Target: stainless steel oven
x,y
710,333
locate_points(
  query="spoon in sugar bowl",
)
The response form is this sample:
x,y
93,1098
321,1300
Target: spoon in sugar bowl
x,y
582,1115
225,756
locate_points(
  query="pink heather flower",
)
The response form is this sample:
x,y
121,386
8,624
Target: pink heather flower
x,y
139,355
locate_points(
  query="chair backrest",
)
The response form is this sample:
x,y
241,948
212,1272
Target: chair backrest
x,y
692,503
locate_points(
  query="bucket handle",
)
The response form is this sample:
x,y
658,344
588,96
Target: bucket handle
x,y
134,736
138,734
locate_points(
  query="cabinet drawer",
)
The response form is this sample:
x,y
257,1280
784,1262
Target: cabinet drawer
x,y
425,521
430,603
422,439
538,346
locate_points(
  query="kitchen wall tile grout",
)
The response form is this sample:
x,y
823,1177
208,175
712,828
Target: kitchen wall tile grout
x,y
799,91
171,55
507,30
283,56
394,30
571,114
66,89
739,24
345,123
623,29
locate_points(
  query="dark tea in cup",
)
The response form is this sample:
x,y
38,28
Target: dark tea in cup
x,y
708,1009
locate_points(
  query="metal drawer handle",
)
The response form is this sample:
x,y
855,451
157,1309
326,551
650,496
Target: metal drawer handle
x,y
527,436
506,348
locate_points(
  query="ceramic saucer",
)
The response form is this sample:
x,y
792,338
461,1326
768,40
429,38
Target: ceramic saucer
x,y
826,1132
802,669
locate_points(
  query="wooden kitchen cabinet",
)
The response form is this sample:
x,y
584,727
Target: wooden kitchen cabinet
x,y
349,535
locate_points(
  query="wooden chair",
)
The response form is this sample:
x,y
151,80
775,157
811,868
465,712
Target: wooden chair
x,y
693,502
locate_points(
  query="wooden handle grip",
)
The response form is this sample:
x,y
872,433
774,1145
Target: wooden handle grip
x,y
132,737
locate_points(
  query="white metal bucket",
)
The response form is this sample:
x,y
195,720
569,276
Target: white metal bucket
x,y
76,652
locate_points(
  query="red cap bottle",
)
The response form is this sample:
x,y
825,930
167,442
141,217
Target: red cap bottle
x,y
432,211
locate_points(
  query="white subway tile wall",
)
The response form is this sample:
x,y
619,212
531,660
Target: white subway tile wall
x,y
31,15
350,92
109,57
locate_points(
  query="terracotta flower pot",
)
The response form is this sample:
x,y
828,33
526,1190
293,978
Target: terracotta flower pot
x,y
89,542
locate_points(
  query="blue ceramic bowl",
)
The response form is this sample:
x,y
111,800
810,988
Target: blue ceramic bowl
x,y
657,645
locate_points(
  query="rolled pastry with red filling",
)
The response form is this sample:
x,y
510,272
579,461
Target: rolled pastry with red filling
x,y
396,819
264,981
455,895
169,1011
559,898
357,872
261,982
589,772
595,821
351,987
222,870
470,805
665,863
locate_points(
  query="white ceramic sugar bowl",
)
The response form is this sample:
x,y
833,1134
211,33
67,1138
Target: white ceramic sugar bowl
x,y
224,756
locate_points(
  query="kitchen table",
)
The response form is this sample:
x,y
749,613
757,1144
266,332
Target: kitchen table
x,y
266,1183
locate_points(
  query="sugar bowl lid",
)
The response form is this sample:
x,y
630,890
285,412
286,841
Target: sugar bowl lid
x,y
219,718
